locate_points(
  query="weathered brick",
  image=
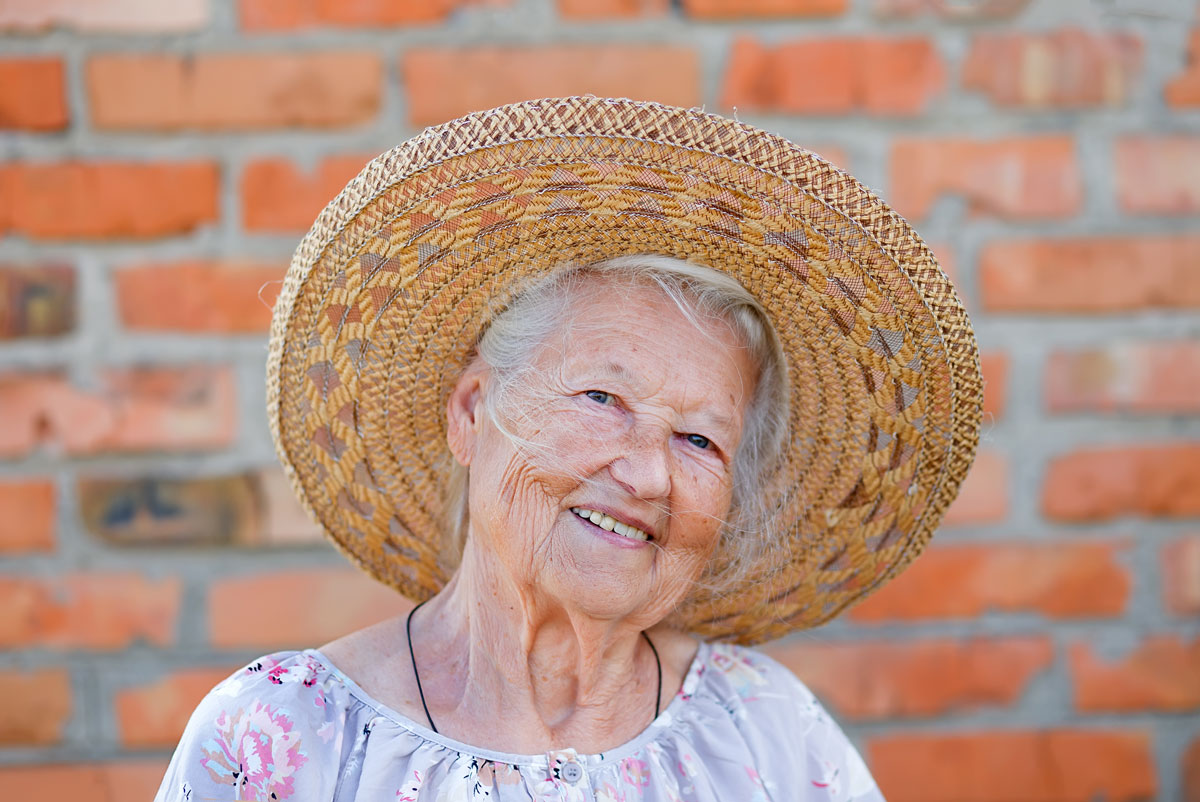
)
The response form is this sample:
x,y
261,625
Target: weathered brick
x,y
1058,765
295,608
612,9
1063,69
1090,274
28,515
1059,580
1027,178
984,495
199,297
88,611
36,301
1125,377
37,705
1180,565
1103,483
33,94
918,678
124,16
957,10
884,76
157,510
1163,673
1159,174
97,782
214,91
247,509
1183,91
277,197
102,200
290,15
155,714
484,77
137,409
734,9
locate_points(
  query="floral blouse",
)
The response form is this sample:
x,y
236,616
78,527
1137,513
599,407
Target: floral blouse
x,y
292,727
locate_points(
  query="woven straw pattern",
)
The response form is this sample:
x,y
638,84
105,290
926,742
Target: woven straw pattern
x,y
389,291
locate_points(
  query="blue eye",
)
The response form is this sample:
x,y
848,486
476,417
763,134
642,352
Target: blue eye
x,y
698,440
600,397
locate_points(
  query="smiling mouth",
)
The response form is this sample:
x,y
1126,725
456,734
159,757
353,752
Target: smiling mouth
x,y
610,524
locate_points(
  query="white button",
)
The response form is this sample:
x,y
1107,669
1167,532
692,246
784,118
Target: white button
x,y
571,772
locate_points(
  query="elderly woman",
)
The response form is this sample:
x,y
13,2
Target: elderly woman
x,y
608,387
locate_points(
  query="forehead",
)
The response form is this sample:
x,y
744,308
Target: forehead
x,y
637,335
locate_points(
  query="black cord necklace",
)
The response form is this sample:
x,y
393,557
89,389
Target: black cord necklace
x,y
412,656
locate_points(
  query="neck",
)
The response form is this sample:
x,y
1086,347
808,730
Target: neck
x,y
492,650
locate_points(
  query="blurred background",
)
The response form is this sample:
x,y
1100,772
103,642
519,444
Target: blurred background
x,y
160,160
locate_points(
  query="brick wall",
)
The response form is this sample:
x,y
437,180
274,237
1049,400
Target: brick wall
x,y
159,160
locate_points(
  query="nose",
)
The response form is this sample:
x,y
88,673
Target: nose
x,y
644,468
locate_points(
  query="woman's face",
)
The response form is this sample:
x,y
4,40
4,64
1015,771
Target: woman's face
x,y
634,413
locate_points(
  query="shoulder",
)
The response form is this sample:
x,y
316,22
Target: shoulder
x,y
271,725
795,740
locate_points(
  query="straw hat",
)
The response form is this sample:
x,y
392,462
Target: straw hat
x,y
389,291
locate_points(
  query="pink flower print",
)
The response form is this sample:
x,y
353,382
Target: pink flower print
x,y
411,789
492,774
737,667
256,751
609,793
635,772
830,778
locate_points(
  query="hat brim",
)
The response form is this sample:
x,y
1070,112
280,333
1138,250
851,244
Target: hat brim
x,y
388,293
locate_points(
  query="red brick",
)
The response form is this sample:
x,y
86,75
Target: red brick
x,y
1048,766
81,200
27,510
1059,580
291,15
216,91
199,297
37,705
735,9
612,9
1191,772
1159,175
36,300
484,77
285,522
895,76
995,367
138,409
295,608
984,495
1183,91
96,782
1126,377
1161,674
277,197
32,94
88,611
950,9
1090,275
125,16
920,678
1064,69
155,714
1181,575
1030,178
1104,483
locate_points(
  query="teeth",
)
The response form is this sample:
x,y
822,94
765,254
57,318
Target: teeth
x,y
610,524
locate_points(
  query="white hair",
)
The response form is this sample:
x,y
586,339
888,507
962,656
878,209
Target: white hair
x,y
512,339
